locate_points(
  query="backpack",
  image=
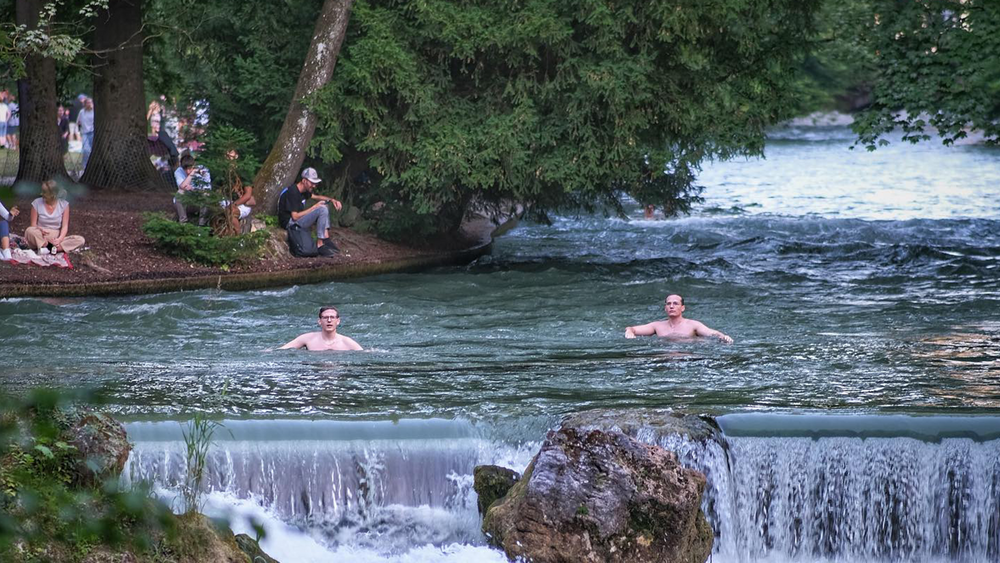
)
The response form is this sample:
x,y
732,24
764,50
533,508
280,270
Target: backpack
x,y
300,242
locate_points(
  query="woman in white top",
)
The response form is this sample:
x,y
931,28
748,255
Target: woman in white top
x,y
50,223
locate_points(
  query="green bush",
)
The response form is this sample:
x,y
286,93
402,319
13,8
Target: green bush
x,y
196,244
46,514
269,220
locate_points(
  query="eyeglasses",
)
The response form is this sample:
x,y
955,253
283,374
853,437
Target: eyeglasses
x,y
329,317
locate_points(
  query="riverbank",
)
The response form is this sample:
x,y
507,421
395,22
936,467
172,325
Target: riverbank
x,y
118,259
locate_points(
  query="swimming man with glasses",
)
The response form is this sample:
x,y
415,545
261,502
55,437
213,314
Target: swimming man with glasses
x,y
326,338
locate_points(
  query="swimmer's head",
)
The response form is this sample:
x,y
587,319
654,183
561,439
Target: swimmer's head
x,y
329,319
674,305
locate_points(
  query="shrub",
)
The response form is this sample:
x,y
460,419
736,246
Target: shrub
x,y
269,220
196,244
46,514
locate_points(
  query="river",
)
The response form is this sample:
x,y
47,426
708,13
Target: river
x,y
860,288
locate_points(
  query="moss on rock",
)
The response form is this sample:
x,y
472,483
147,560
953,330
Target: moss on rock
x,y
491,483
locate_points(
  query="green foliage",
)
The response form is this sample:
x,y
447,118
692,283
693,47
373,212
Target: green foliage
x,y
838,71
269,220
243,58
198,439
550,103
197,244
59,34
45,514
229,148
938,70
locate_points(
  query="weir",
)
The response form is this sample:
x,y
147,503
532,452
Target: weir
x,y
858,488
379,484
780,487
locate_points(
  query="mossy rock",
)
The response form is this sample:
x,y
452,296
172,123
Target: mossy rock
x,y
592,495
491,483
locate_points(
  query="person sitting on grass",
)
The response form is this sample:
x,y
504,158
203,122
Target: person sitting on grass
x,y
49,224
292,210
326,338
5,217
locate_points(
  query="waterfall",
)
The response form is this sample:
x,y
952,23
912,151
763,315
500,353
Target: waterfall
x,y
780,488
850,490
384,485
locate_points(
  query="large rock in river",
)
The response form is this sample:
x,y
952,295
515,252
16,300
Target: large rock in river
x,y
647,425
596,496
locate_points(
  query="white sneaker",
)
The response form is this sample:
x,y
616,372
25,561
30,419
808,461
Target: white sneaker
x,y
5,254
43,250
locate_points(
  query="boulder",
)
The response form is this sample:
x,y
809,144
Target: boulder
x,y
635,422
491,483
277,245
595,496
102,445
349,216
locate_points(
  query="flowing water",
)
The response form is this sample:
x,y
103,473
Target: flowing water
x,y
858,401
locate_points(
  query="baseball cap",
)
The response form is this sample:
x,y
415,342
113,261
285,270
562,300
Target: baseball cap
x,y
311,175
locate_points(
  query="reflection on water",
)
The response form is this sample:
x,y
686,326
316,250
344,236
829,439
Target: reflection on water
x,y
970,359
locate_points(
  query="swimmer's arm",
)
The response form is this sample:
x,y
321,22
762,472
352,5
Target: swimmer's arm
x,y
640,330
702,330
297,343
351,344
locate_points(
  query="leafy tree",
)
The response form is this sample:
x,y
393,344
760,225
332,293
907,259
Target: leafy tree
x,y
285,159
938,67
42,34
440,103
241,58
838,70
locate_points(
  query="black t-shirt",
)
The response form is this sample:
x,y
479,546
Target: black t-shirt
x,y
74,109
291,199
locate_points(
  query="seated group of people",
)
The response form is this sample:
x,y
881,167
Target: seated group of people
x,y
48,229
293,215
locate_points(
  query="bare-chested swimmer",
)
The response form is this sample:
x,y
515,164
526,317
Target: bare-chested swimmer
x,y
327,338
676,326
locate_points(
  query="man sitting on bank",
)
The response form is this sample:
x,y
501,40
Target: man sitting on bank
x,y
292,210
327,338
676,326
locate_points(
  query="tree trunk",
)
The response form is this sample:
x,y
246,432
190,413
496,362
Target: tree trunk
x,y
289,150
120,157
41,156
